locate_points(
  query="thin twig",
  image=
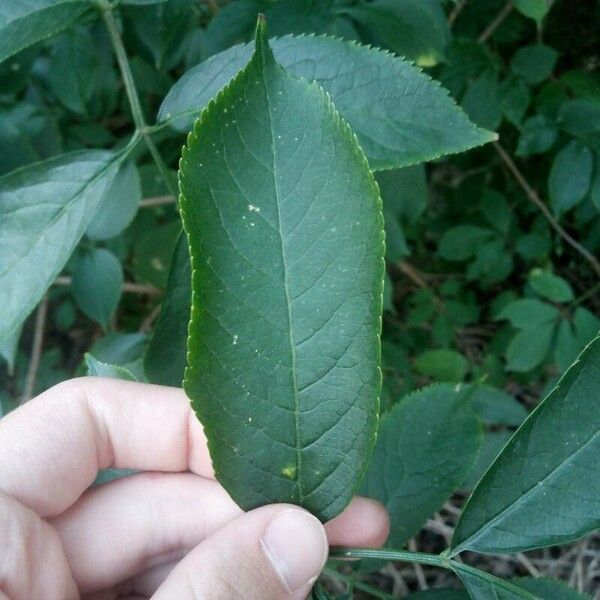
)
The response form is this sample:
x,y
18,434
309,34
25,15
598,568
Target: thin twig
x,y
533,196
128,286
156,201
412,273
489,30
149,320
36,349
456,11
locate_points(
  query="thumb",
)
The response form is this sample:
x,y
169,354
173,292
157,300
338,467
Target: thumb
x,y
271,553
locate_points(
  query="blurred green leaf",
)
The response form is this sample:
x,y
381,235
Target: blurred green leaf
x,y
8,348
528,313
550,286
529,347
415,29
482,100
538,135
96,285
442,364
570,177
119,205
73,69
496,407
534,9
534,63
166,357
580,117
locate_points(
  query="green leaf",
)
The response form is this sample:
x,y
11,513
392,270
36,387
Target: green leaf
x,y
483,586
538,135
495,407
416,29
461,242
153,251
570,176
119,348
73,69
580,117
97,368
549,589
119,206
425,447
8,348
595,187
529,348
514,98
493,442
404,196
528,313
534,63
404,191
543,490
573,337
442,364
25,22
283,351
166,357
381,96
534,9
46,207
550,286
96,285
482,100
161,28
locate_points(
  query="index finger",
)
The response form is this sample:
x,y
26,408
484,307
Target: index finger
x,y
53,447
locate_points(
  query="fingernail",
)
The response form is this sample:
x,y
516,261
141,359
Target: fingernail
x,y
295,544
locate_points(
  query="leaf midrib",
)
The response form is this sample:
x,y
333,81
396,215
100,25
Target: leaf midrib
x,y
298,444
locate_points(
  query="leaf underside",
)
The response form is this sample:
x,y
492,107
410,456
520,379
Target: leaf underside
x,y
284,224
400,116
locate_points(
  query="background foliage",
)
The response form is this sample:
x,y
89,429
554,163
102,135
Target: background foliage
x,y
493,276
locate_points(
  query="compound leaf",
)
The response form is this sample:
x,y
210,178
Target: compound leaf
x,y
46,207
543,490
400,116
287,262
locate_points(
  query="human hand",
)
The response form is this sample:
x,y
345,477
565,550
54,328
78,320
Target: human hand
x,y
172,533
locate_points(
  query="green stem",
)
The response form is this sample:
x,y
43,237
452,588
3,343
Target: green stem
x,y
392,554
132,95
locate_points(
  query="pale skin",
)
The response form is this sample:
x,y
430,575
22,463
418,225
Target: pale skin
x,y
170,532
